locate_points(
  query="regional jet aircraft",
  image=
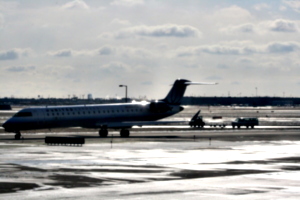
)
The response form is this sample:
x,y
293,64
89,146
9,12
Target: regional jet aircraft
x,y
118,116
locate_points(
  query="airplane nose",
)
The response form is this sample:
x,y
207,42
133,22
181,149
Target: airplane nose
x,y
4,125
7,126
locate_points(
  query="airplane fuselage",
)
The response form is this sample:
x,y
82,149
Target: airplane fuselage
x,y
123,115
87,116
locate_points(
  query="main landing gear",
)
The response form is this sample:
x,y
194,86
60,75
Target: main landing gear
x,y
18,135
103,133
123,133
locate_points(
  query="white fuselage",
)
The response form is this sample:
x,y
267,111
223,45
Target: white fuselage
x,y
88,116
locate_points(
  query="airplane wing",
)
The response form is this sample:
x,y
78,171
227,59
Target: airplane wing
x,y
140,123
153,123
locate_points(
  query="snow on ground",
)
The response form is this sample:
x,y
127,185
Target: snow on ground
x,y
152,170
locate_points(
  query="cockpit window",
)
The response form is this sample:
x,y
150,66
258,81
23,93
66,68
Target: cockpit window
x,y
23,114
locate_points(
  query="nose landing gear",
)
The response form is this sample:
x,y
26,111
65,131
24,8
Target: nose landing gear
x,y
18,135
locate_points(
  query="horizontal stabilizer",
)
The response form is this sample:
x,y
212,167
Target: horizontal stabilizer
x,y
200,83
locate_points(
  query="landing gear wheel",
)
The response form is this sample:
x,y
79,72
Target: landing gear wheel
x,y
103,133
124,133
17,136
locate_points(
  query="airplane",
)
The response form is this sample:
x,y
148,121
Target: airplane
x,y
103,116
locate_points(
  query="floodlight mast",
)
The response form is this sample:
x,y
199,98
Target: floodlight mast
x,y
125,91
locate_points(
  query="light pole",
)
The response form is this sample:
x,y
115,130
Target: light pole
x,y
125,91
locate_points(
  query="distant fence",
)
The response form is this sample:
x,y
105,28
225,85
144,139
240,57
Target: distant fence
x,y
64,141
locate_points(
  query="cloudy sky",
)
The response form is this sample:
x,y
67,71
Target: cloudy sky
x,y
64,47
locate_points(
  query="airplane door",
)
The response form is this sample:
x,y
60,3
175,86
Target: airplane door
x,y
40,118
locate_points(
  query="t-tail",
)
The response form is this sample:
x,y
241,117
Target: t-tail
x,y
176,93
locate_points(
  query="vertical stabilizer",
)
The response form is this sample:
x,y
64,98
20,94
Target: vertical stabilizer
x,y
177,91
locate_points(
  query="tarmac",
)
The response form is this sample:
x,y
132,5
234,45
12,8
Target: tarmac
x,y
155,163
192,164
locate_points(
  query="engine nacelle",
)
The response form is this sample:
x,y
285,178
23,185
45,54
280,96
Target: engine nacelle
x,y
159,107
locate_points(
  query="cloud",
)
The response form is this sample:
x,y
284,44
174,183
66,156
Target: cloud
x,y
57,70
14,54
235,83
214,49
278,25
261,6
283,47
76,4
115,67
245,60
121,22
62,53
106,50
124,51
243,49
167,30
147,83
134,52
294,4
282,8
223,66
1,20
214,77
232,14
9,55
20,68
243,28
127,3
281,25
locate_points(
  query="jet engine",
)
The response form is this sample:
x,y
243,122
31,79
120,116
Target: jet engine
x,y
159,107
